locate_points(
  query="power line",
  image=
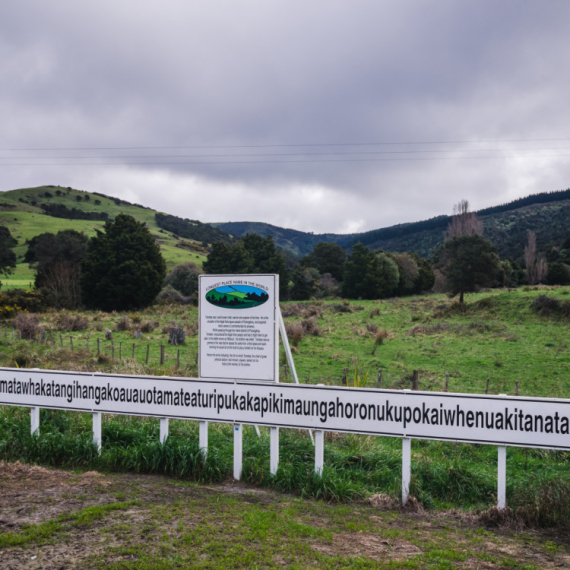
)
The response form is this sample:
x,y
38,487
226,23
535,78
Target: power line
x,y
340,160
382,143
338,153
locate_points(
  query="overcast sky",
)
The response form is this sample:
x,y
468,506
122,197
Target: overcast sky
x,y
281,111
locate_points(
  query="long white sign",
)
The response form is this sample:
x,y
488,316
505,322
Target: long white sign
x,y
498,420
239,327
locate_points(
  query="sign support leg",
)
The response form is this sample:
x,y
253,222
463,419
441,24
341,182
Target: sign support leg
x,y
204,439
35,420
274,450
319,451
502,477
406,468
97,430
163,430
288,354
238,450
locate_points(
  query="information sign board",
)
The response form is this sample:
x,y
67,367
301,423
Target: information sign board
x,y
238,327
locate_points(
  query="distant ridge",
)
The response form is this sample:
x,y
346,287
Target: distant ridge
x,y
506,225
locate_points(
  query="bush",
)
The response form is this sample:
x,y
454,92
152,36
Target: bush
x,y
184,278
147,327
72,323
545,305
28,326
124,324
16,300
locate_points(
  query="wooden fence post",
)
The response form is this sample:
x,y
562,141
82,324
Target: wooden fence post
x,y
447,382
178,359
415,376
120,351
133,350
98,347
162,354
147,351
71,343
487,387
61,340
379,383
112,349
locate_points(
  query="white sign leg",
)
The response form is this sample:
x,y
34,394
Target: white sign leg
x,y
97,430
238,450
163,430
406,468
204,439
319,451
35,420
274,450
502,477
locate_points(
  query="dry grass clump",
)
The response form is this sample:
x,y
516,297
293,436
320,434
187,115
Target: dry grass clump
x,y
302,310
71,323
28,326
295,333
147,327
374,312
547,306
372,328
123,324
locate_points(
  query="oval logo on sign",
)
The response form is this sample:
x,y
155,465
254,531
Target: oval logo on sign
x,y
237,297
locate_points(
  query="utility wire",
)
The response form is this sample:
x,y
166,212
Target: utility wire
x,y
382,143
337,153
276,161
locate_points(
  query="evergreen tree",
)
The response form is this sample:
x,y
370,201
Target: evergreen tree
x,y
7,255
124,268
355,269
305,281
250,254
469,262
326,258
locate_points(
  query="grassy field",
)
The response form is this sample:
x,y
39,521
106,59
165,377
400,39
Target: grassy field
x,y
198,517
498,337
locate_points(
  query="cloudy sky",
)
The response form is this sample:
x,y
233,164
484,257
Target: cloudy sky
x,y
324,116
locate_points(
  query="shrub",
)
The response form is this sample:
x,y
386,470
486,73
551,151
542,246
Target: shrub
x,y
28,326
72,323
135,317
147,327
184,278
124,324
169,295
23,300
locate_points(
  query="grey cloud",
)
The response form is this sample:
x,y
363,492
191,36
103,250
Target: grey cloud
x,y
112,74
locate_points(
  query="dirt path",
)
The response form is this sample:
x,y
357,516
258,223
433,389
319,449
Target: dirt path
x,y
56,519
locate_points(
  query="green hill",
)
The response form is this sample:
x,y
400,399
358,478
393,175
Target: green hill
x,y
506,226
31,211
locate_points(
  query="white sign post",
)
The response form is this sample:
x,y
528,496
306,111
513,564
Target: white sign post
x,y
239,327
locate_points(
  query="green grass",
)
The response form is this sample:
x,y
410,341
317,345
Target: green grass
x,y
425,333
27,221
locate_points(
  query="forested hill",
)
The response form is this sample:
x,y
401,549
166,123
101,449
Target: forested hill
x,y
506,225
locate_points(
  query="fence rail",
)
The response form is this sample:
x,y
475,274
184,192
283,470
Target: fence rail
x,y
492,420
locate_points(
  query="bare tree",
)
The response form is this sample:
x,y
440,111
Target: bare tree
x,y
536,266
463,222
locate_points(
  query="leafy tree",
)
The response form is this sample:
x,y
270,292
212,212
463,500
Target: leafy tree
x,y
7,255
469,262
355,268
124,268
409,273
250,254
426,276
184,278
558,274
305,282
57,258
369,275
225,258
326,258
